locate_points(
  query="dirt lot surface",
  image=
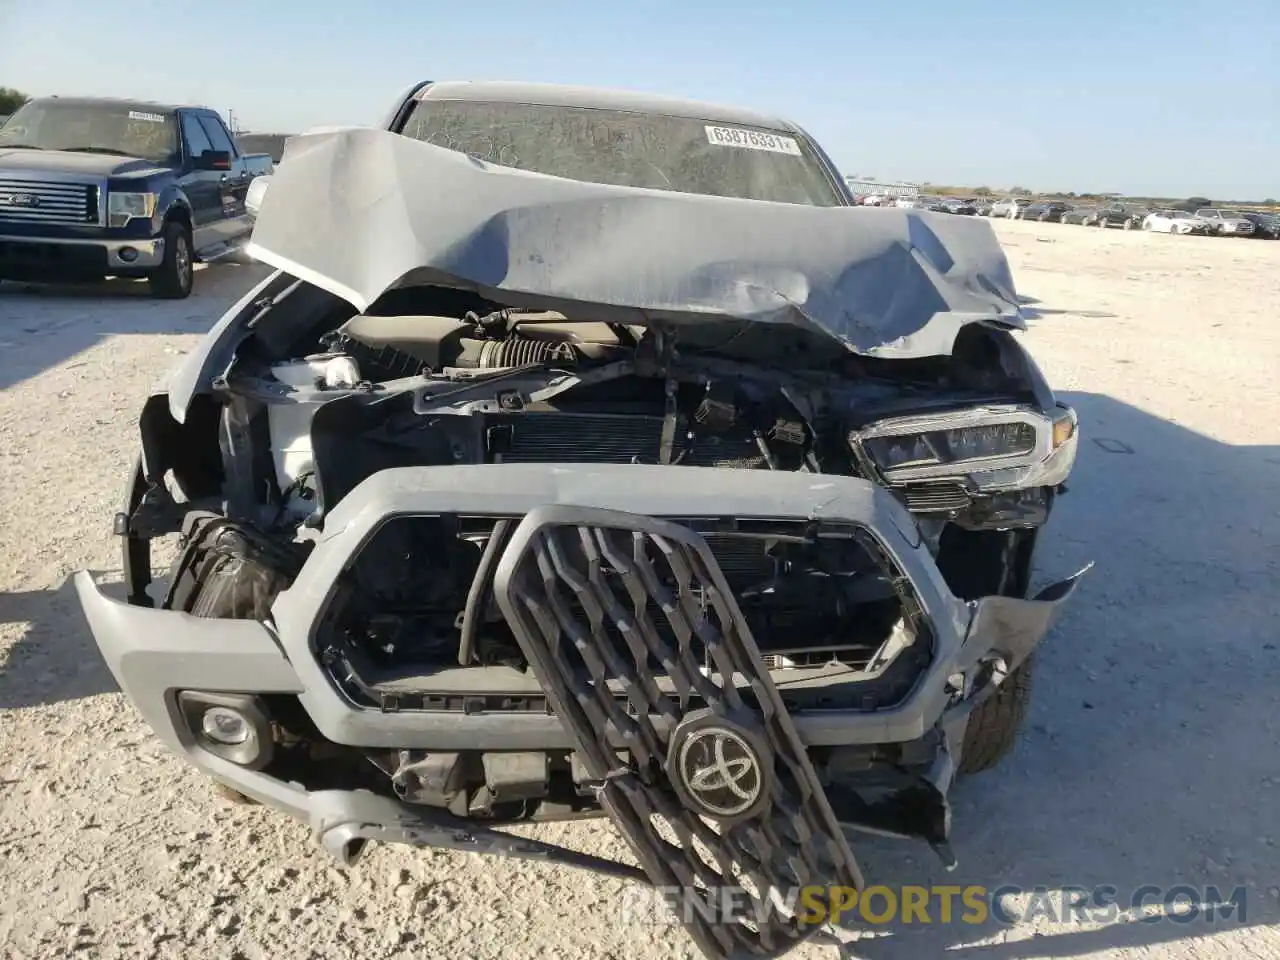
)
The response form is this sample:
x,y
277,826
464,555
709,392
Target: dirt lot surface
x,y
1152,755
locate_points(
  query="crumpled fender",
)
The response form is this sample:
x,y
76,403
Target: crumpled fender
x,y
1008,628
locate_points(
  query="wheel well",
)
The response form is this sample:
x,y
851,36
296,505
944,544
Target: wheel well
x,y
179,214
983,563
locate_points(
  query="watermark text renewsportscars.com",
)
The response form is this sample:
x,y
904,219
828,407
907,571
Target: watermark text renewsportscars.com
x,y
940,904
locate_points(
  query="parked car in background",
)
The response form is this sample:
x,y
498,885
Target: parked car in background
x,y
1174,221
1086,216
984,206
1011,207
967,207
1224,223
94,187
935,204
1045,211
1266,226
1138,215
271,144
1116,215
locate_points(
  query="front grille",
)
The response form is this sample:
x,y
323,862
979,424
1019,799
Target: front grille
x,y
37,201
572,580
794,625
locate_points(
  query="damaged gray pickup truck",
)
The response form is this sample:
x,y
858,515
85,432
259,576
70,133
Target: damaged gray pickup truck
x,y
590,453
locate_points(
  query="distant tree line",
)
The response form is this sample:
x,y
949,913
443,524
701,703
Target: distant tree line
x,y
11,100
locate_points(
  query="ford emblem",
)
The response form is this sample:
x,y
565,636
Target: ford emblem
x,y
20,199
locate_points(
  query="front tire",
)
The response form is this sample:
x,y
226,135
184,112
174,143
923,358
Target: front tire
x,y
993,728
175,277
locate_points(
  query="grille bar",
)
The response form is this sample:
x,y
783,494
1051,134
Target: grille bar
x,y
936,497
24,200
571,580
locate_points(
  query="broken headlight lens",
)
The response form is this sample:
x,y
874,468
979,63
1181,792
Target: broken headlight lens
x,y
943,447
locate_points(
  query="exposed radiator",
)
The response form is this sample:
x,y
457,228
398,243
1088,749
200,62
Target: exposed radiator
x,y
611,438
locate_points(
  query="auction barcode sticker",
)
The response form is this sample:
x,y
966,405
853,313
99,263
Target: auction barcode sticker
x,y
153,117
752,140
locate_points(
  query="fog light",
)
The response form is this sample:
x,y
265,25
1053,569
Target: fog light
x,y
233,726
128,254
224,725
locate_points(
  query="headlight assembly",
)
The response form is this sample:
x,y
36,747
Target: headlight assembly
x,y
960,443
123,207
938,447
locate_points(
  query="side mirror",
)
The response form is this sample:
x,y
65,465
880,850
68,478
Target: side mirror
x,y
213,160
257,191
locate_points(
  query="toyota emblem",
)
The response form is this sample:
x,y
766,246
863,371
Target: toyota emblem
x,y
720,770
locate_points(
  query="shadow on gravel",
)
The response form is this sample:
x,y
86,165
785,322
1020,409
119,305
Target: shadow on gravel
x,y
1150,755
43,326
56,659
1150,752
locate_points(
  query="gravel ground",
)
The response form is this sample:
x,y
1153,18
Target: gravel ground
x,y
1150,756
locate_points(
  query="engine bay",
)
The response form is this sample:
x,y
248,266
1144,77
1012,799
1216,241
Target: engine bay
x,y
415,616
397,389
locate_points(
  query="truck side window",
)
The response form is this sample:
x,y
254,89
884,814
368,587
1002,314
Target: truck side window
x,y
197,141
217,135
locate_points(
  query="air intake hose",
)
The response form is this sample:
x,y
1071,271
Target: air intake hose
x,y
512,352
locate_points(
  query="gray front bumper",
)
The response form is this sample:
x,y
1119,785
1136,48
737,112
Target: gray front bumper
x,y
153,654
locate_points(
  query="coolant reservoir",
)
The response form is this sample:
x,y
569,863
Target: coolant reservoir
x,y
341,373
290,421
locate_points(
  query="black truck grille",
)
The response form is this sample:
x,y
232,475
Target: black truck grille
x,y
24,200
721,794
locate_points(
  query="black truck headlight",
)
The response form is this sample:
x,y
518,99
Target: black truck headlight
x,y
955,443
123,207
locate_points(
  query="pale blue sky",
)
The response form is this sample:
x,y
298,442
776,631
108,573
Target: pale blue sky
x,y
1172,97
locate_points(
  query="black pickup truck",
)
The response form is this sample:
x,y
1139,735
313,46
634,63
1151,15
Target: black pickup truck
x,y
96,187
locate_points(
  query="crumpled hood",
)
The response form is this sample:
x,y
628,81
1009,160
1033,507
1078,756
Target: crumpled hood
x,y
360,211
66,161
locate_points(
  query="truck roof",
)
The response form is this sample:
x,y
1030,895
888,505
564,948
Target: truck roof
x,y
149,105
600,98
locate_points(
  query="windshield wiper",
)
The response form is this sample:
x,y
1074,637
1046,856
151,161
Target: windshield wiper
x,y
21,146
110,150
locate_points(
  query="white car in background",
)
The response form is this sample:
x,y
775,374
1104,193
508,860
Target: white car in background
x,y
1174,221
1225,222
1011,207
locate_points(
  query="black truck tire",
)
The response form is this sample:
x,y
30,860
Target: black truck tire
x,y
993,728
175,276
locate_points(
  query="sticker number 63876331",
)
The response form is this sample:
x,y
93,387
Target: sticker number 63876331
x,y
752,140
